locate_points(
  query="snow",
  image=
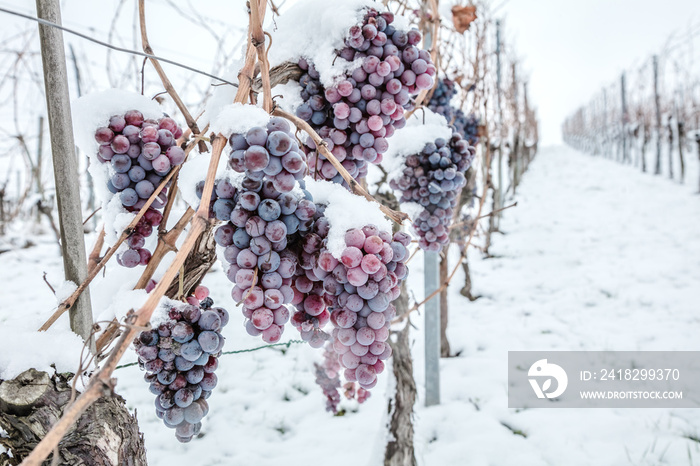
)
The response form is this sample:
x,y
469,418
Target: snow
x,y
288,96
340,206
115,217
22,348
161,313
595,256
315,29
222,95
125,300
64,290
422,127
238,118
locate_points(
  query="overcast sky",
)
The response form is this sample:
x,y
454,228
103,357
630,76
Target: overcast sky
x,y
573,48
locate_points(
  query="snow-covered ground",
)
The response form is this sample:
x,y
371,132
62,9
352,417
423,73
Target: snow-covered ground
x,y
596,256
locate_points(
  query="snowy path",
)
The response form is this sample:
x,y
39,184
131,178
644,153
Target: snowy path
x,y
596,257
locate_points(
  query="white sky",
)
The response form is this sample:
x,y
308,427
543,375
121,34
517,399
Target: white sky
x,y
572,48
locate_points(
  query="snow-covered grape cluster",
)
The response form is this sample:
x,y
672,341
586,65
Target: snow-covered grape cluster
x,y
260,265
275,244
180,357
433,178
368,278
357,115
261,216
139,152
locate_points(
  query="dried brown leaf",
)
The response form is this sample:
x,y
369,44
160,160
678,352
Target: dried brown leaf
x,y
463,17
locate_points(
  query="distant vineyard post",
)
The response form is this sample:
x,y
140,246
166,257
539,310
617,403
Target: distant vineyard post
x,y
498,195
657,106
625,119
697,141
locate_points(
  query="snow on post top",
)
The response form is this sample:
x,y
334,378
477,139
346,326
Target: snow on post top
x,y
422,127
94,110
344,211
315,29
25,348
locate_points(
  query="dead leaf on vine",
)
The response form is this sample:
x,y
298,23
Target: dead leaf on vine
x,y
463,17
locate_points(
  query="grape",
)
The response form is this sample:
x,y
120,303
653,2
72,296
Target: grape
x,y
433,178
275,248
368,105
138,154
144,189
180,391
210,320
130,258
361,310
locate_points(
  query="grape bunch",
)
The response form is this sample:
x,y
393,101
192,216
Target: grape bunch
x,y
357,115
433,178
139,152
258,226
471,129
362,286
311,284
271,153
440,101
180,357
327,377
466,126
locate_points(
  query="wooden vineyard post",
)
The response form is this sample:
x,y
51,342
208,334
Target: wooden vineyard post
x,y
625,119
432,330
657,105
65,162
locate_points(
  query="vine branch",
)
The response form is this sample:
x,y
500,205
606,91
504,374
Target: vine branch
x,y
355,187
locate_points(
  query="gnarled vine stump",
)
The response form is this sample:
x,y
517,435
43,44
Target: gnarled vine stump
x,y
399,450
105,435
